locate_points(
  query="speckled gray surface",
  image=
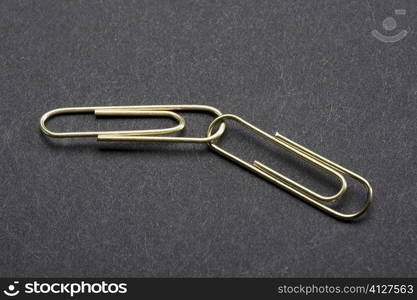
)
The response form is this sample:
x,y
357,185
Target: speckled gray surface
x,y
308,69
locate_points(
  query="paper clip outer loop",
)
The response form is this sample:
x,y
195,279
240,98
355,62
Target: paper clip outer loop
x,y
282,181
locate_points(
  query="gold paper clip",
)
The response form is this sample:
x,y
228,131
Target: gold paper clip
x,y
288,184
152,135
149,135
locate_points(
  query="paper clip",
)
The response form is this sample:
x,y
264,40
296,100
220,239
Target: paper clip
x,y
153,135
288,184
150,135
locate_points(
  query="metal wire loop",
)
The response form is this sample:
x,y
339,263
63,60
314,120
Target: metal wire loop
x,y
286,183
110,111
150,135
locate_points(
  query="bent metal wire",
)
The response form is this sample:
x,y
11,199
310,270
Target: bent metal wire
x,y
134,135
285,182
153,135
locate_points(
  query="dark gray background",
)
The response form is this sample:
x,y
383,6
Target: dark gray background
x,y
308,69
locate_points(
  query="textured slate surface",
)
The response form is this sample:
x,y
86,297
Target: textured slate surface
x,y
308,69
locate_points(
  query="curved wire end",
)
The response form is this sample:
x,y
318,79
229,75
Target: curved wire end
x,y
338,168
